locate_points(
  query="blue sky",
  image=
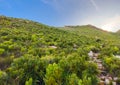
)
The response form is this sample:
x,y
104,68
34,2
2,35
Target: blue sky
x,y
104,14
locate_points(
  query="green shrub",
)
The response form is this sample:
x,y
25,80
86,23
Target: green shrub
x,y
3,78
29,82
27,67
53,75
2,51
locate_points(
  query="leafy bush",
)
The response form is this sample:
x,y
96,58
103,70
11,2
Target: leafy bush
x,y
3,78
53,75
2,51
27,67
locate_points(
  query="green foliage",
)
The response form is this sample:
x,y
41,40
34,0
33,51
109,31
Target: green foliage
x,y
3,78
74,80
53,75
29,82
87,81
27,67
35,54
5,62
73,63
1,51
93,32
113,65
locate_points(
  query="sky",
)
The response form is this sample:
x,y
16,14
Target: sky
x,y
104,14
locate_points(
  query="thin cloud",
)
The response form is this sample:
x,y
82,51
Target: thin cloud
x,y
94,4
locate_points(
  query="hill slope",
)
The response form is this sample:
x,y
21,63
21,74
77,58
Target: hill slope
x,y
36,54
19,36
118,32
93,32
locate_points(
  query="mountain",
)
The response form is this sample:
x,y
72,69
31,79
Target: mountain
x,y
32,53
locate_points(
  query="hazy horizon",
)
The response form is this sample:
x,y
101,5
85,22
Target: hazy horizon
x,y
103,14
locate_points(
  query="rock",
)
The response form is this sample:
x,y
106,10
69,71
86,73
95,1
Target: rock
x,y
110,78
102,78
99,61
95,59
115,78
96,54
53,47
117,56
114,83
90,54
107,81
100,66
74,45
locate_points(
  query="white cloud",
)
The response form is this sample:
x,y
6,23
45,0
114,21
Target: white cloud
x,y
105,23
112,24
100,18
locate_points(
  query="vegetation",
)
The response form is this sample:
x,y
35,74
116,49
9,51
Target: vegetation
x,y
35,54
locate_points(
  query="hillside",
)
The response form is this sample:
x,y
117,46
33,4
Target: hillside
x,y
93,32
118,32
32,53
19,35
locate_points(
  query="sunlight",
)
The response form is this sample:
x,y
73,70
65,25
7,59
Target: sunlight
x,y
108,27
